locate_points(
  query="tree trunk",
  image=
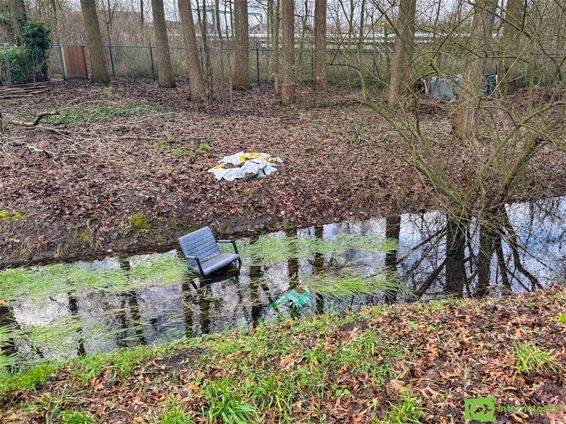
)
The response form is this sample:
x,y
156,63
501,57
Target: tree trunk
x,y
512,26
164,68
320,44
276,22
455,257
18,12
392,232
400,75
464,120
196,83
241,79
288,52
98,68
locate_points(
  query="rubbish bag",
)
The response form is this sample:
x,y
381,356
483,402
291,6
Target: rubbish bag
x,y
295,299
244,165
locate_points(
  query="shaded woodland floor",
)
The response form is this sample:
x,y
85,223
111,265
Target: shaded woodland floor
x,y
124,169
389,364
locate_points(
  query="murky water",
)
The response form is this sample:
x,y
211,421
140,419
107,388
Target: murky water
x,y
531,254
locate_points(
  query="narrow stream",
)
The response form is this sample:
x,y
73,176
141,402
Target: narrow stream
x,y
63,324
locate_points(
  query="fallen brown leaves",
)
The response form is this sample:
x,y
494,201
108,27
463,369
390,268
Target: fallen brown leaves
x,y
75,200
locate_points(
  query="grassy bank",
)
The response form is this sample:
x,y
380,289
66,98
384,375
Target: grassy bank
x,y
393,364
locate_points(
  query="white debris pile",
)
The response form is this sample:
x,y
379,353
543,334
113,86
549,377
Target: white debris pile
x,y
244,165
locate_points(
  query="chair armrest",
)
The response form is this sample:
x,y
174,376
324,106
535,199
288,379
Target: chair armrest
x,y
230,241
198,263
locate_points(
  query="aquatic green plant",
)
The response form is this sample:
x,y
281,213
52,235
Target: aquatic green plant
x,y
162,269
271,249
39,282
351,282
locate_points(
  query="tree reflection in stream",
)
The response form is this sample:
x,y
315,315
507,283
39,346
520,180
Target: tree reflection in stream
x,y
526,250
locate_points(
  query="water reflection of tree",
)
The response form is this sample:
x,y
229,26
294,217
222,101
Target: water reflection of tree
x,y
512,253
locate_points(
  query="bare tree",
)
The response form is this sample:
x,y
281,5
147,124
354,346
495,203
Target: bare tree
x,y
196,83
18,12
241,79
400,73
464,121
98,67
320,44
512,30
288,52
164,68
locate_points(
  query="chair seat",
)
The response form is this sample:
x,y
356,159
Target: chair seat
x,y
217,262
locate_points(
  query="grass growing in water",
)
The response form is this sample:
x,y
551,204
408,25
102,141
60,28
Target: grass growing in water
x,y
36,283
350,283
271,249
99,113
162,269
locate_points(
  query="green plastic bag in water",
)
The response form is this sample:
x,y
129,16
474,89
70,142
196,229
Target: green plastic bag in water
x,y
295,299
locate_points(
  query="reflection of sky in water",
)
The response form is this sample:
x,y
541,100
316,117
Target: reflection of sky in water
x,y
158,313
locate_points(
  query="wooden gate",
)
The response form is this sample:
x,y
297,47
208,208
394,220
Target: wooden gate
x,y
75,62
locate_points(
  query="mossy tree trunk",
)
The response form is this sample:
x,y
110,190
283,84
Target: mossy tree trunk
x,y
196,82
241,79
98,67
164,69
288,52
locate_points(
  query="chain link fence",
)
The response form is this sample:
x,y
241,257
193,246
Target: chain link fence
x,y
141,62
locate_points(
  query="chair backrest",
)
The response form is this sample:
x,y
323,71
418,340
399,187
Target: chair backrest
x,y
199,243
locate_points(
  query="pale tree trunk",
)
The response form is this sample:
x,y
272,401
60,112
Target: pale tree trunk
x,y
196,83
98,68
241,79
464,120
512,28
400,74
320,44
164,68
18,13
288,52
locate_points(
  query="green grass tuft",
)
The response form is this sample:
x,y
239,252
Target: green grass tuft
x,y
224,406
29,378
405,412
531,359
75,417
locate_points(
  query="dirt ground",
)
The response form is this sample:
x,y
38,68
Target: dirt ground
x,y
78,186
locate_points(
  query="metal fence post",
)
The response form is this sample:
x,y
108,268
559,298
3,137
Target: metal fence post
x,y
7,64
152,66
312,64
111,61
62,57
257,62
